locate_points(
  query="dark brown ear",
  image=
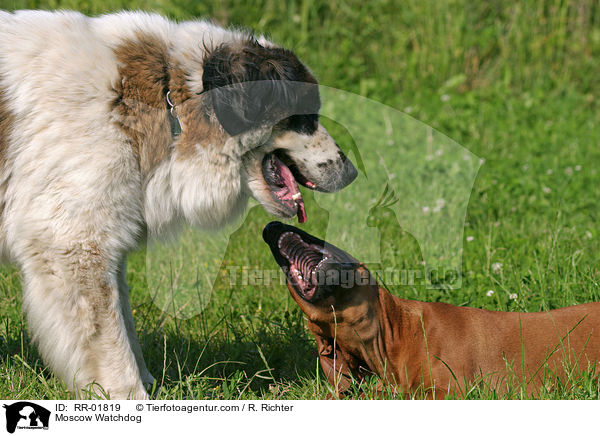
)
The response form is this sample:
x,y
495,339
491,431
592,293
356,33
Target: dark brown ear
x,y
251,85
334,364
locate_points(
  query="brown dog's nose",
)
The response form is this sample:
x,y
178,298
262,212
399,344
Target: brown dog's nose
x,y
274,227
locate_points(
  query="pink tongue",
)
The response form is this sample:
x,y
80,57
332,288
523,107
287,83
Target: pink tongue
x,y
301,211
292,186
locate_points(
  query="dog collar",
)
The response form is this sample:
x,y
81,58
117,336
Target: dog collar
x,y
174,120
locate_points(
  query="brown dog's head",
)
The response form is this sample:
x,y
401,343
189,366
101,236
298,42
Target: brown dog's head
x,y
336,292
259,87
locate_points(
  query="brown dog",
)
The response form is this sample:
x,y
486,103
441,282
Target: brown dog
x,y
360,327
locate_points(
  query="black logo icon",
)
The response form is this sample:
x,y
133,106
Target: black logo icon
x,y
26,415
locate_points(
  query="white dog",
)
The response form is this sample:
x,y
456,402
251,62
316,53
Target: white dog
x,y
93,159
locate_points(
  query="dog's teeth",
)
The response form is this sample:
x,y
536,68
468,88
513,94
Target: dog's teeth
x,y
321,261
281,238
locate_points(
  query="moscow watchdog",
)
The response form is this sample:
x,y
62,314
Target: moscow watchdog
x,y
127,125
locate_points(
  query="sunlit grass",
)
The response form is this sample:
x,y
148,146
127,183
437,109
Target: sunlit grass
x,y
516,83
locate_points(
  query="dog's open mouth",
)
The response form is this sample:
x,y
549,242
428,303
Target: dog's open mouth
x,y
283,180
312,266
305,262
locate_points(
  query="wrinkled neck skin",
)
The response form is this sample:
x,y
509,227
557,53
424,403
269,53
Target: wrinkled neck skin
x,y
356,329
386,324
374,338
389,322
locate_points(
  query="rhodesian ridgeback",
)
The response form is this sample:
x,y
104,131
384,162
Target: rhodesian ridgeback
x,y
360,328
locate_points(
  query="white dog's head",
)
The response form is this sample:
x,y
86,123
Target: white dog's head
x,y
253,87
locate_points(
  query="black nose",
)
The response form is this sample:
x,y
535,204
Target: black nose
x,y
271,229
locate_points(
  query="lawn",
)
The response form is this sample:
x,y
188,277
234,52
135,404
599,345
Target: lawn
x,y
511,85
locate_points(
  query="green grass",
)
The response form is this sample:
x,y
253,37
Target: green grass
x,y
514,82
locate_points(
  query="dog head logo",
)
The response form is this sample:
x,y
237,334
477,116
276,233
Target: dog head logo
x,y
26,415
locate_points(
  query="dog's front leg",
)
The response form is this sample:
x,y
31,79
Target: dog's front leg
x,y
147,378
75,312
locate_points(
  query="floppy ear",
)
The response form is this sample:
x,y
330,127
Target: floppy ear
x,y
251,85
334,364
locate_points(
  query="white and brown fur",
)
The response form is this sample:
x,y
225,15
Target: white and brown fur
x,y
89,166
